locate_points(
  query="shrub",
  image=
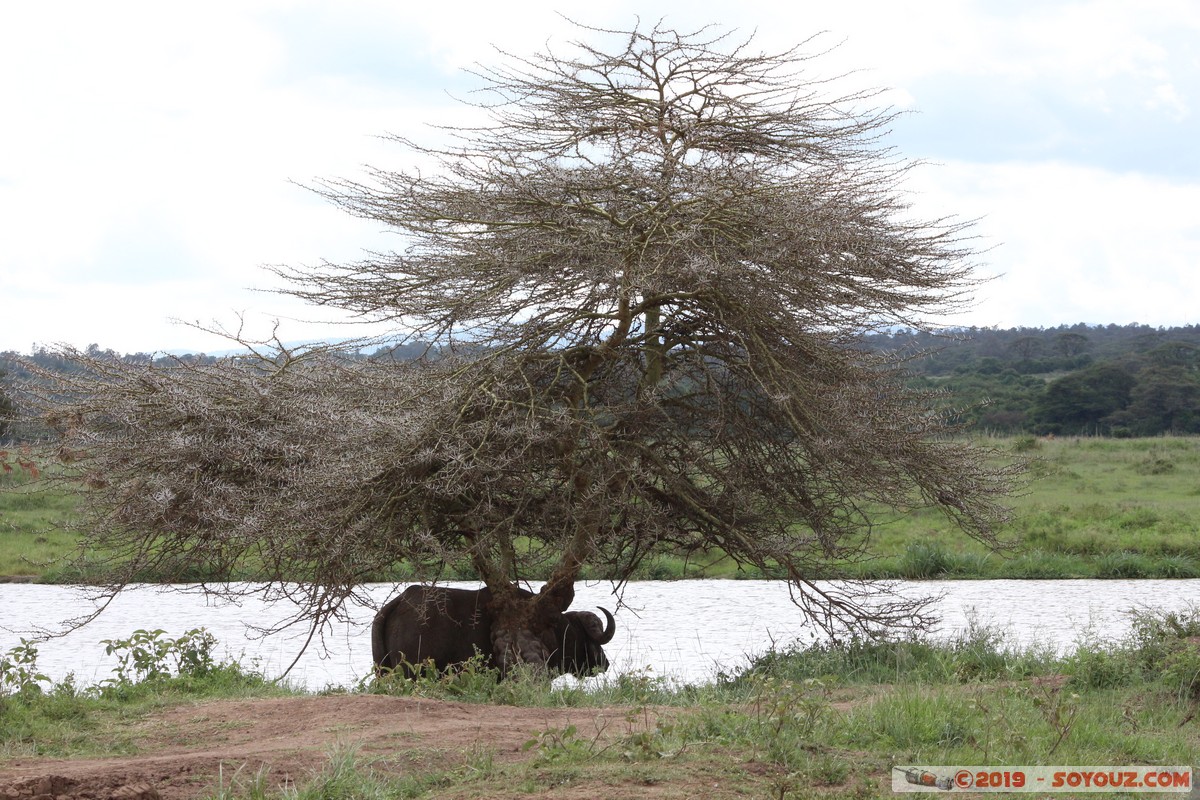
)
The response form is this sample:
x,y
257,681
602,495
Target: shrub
x,y
971,565
18,670
925,560
1181,670
1099,667
1156,635
1154,466
1177,566
1122,565
148,656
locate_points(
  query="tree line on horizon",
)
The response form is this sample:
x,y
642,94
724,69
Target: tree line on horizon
x,y
1096,380
1101,380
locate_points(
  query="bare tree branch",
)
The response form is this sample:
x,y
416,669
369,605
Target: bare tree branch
x,y
645,279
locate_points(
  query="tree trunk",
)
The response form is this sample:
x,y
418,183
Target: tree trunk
x,y
525,629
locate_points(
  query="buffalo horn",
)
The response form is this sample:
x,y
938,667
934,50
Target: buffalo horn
x,y
610,628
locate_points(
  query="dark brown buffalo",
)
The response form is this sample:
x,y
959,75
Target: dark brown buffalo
x,y
450,625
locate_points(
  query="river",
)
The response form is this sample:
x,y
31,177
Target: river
x,y
686,630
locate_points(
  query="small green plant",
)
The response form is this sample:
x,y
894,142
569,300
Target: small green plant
x,y
1178,566
649,736
18,670
1094,666
1058,708
787,714
194,653
474,680
149,656
234,788
560,744
971,565
345,777
993,728
480,762
1181,670
1040,565
647,743
827,770
1122,565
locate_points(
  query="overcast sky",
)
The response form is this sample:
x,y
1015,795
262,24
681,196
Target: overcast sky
x,y
153,155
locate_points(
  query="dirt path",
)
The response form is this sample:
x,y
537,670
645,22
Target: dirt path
x,y
186,750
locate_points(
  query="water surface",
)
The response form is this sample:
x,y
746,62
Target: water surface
x,y
688,630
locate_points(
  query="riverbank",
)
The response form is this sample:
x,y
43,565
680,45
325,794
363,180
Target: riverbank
x,y
1094,508
825,722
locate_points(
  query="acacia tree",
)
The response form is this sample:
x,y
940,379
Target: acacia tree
x,y
645,276
6,406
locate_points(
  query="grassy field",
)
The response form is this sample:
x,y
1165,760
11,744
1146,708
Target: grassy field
x,y
1096,508
828,721
32,543
1108,508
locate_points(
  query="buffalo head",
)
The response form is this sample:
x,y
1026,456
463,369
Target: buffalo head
x,y
581,640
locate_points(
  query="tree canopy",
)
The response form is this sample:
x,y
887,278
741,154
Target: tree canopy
x,y
646,276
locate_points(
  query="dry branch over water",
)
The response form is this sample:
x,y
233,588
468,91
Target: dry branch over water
x,y
644,280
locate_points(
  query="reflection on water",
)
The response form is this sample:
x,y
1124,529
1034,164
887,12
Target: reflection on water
x,y
688,630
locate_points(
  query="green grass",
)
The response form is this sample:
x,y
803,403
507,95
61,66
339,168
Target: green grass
x,y
40,718
828,720
831,719
30,526
1093,508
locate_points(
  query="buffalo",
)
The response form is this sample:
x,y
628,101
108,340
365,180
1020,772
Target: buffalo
x,y
448,626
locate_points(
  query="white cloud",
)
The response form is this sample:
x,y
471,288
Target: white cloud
x,y
148,147
1165,96
1075,244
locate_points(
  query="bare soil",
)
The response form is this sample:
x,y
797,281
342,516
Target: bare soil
x,y
186,752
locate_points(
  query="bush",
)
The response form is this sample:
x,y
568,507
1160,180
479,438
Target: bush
x,y
1154,466
474,679
1177,566
1024,444
1181,670
1122,565
1162,647
971,565
925,560
147,656
18,671
1156,635
1099,667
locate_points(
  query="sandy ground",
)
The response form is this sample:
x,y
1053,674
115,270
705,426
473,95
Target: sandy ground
x,y
184,752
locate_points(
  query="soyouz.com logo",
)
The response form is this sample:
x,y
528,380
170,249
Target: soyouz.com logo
x,y
1042,779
